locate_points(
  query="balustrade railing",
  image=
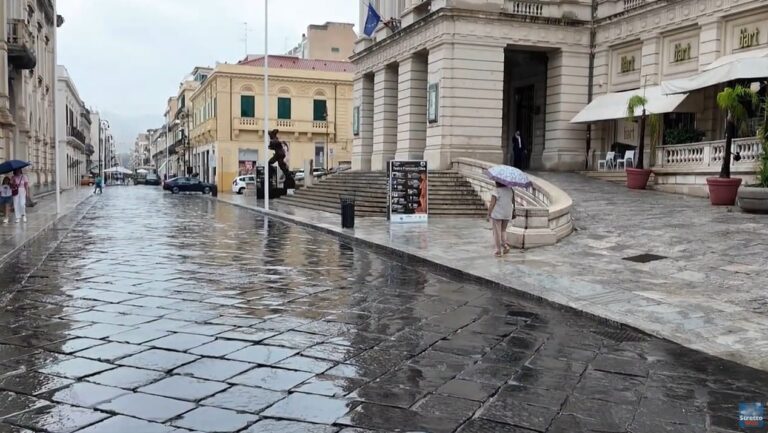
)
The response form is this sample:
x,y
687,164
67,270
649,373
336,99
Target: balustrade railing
x,y
708,155
526,8
631,4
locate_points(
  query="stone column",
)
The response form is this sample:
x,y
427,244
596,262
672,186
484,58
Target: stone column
x,y
412,108
362,145
6,119
710,40
566,95
470,82
384,117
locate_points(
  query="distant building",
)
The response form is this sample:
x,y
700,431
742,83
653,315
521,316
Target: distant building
x,y
310,102
73,131
329,41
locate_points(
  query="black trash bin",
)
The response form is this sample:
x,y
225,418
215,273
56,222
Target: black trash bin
x,y
347,211
215,191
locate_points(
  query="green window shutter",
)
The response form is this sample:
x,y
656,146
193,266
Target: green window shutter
x,y
320,110
247,106
284,108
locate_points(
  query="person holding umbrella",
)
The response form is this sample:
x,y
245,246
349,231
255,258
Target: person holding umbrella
x,y
19,187
502,207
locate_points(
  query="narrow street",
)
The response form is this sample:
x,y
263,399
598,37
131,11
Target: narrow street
x,y
161,313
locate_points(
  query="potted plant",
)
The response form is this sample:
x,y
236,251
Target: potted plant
x,y
734,101
637,176
754,198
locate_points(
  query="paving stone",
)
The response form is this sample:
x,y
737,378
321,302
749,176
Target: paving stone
x,y
12,403
311,408
180,342
244,399
147,407
302,363
331,386
138,336
158,359
32,382
219,348
275,426
127,377
85,394
264,355
211,419
214,369
124,424
111,351
373,416
446,406
519,414
295,340
99,330
184,388
248,334
467,389
57,418
479,425
76,368
74,345
271,378
388,394
332,352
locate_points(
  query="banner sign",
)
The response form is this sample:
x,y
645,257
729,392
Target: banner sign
x,y
408,191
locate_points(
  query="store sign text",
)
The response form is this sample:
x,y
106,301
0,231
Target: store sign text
x,y
627,64
749,39
682,52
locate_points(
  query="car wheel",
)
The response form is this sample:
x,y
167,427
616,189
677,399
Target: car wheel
x,y
175,190
241,190
206,190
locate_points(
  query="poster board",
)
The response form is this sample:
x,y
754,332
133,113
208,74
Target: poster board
x,y
408,191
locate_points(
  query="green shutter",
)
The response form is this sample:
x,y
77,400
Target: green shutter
x,y
320,110
247,106
284,108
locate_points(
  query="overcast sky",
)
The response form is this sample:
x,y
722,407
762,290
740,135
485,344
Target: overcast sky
x,y
128,56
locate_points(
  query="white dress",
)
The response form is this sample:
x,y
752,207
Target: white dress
x,y
504,207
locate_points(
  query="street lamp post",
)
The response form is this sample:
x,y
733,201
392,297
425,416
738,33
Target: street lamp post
x,y
266,105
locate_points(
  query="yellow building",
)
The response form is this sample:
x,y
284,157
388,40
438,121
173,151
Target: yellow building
x,y
310,102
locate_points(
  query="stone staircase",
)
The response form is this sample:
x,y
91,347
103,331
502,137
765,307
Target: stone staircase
x,y
450,194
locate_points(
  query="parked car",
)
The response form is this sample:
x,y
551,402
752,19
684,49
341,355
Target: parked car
x,y
87,180
152,179
316,172
242,182
188,184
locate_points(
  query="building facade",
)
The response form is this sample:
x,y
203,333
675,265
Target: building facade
x,y
73,131
28,85
451,78
329,41
310,102
103,144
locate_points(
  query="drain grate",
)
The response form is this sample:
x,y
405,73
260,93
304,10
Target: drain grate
x,y
644,258
619,335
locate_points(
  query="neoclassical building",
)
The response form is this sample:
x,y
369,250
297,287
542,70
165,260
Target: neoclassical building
x,y
456,78
73,131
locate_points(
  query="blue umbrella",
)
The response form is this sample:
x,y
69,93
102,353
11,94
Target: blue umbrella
x,y
14,164
509,176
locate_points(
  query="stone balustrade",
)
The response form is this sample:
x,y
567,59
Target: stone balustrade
x,y
543,212
708,155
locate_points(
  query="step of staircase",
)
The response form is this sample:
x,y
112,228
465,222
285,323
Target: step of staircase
x,y
450,194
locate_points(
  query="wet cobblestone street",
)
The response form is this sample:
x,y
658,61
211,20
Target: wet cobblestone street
x,y
159,313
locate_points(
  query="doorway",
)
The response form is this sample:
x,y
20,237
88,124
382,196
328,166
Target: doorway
x,y
524,107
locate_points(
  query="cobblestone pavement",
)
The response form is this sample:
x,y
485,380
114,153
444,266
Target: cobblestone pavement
x,y
708,291
160,313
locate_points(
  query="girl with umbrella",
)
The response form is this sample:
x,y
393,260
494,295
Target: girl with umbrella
x,y
502,207
20,188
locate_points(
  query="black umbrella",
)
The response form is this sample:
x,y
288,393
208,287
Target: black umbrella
x,y
14,164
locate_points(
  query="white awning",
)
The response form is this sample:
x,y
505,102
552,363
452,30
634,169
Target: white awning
x,y
743,68
762,52
614,105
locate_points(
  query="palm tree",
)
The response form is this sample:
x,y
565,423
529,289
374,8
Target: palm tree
x,y
635,102
735,101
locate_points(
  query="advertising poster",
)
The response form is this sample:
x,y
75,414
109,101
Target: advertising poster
x,y
408,191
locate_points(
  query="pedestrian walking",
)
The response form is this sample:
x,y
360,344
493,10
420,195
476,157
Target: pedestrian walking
x,y
501,210
518,151
280,149
6,198
98,185
20,191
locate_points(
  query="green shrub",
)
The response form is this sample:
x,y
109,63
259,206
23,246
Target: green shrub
x,y
683,135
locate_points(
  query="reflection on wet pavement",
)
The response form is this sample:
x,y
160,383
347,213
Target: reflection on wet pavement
x,y
161,313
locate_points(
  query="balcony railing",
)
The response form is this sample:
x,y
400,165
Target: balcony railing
x,y
76,134
526,8
631,4
707,156
284,125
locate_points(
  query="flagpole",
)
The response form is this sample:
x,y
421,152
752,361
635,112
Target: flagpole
x,y
56,119
266,105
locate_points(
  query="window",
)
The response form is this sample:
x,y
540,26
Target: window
x,y
320,110
284,108
335,50
247,106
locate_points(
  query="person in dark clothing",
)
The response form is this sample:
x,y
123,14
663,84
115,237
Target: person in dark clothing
x,y
518,151
278,157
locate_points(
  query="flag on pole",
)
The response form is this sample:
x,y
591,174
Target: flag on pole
x,y
372,21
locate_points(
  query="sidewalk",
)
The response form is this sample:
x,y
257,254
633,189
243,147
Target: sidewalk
x,y
708,293
14,236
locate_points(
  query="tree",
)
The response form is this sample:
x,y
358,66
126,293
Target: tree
x,y
635,102
735,101
762,134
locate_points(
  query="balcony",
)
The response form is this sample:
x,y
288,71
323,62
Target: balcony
x,y
284,125
547,12
708,156
76,137
632,4
20,52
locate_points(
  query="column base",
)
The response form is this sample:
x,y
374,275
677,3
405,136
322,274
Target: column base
x,y
379,161
563,160
361,162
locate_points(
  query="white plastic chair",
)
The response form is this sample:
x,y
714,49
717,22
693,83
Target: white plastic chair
x,y
628,160
607,162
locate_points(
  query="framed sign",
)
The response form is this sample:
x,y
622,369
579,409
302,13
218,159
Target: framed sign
x,y
432,100
356,120
408,191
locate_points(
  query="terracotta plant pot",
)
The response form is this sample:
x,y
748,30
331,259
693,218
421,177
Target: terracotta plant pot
x,y
637,178
753,199
722,192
